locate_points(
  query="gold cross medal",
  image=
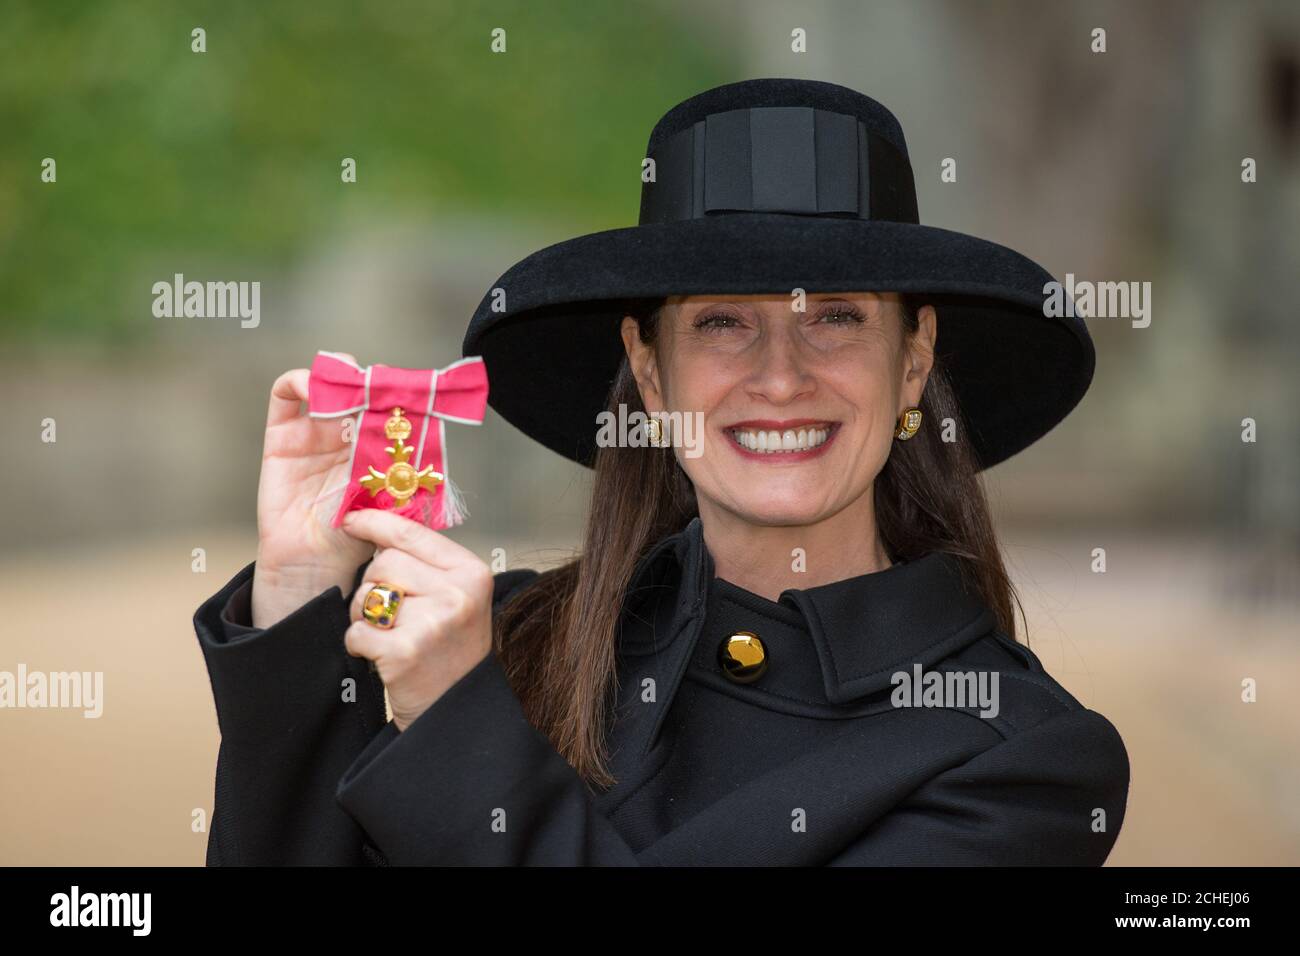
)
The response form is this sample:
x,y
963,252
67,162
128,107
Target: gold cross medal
x,y
401,480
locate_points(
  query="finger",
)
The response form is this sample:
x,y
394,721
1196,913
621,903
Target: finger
x,y
363,639
399,569
288,392
443,598
388,530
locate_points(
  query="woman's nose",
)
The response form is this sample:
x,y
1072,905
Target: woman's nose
x,y
782,370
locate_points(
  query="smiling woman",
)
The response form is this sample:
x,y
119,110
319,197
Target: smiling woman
x,y
719,341
709,682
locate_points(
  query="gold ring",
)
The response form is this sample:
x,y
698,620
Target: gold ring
x,y
381,604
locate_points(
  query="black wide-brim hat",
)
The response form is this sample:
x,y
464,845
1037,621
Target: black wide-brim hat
x,y
762,187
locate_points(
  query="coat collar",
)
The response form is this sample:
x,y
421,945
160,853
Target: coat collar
x,y
864,629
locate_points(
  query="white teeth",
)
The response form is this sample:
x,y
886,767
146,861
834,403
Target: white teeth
x,y
791,439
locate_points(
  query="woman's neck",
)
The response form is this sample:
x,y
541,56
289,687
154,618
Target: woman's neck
x,y
767,559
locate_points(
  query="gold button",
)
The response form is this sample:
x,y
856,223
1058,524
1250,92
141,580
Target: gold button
x,y
743,657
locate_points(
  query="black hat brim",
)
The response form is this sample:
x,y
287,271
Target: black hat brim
x,y
552,354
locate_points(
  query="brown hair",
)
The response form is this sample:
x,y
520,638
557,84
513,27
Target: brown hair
x,y
556,638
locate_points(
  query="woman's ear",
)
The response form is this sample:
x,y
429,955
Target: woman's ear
x,y
641,360
918,348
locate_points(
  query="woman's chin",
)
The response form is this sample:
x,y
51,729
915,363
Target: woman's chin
x,y
783,512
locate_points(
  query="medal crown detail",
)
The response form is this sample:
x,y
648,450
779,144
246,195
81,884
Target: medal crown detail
x,y
398,427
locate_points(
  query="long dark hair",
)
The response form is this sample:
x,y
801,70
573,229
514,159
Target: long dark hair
x,y
556,638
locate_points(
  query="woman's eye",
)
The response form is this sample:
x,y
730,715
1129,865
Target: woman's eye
x,y
842,315
714,321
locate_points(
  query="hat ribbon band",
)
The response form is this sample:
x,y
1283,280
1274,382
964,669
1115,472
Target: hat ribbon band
x,y
789,159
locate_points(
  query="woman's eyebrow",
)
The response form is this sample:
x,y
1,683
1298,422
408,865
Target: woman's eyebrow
x,y
848,296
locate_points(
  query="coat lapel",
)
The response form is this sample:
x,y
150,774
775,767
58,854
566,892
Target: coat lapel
x,y
868,628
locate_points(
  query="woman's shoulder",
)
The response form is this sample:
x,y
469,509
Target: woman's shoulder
x,y
1034,706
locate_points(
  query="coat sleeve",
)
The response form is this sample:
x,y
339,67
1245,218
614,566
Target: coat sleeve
x,y
472,782
294,710
1054,794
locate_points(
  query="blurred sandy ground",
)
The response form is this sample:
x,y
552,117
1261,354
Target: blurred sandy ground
x,y
1152,644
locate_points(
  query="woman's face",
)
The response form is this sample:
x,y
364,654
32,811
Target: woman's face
x,y
824,386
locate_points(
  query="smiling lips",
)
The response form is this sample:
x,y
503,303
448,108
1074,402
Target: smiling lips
x,y
785,440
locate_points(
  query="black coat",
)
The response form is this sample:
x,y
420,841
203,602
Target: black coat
x,y
812,764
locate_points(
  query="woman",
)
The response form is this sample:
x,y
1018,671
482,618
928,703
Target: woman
x,y
789,636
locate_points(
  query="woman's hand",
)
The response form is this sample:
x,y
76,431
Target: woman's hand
x,y
304,471
443,627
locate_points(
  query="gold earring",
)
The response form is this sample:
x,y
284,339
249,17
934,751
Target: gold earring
x,y
909,423
654,431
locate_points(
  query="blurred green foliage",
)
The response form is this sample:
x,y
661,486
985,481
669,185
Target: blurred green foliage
x,y
170,160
